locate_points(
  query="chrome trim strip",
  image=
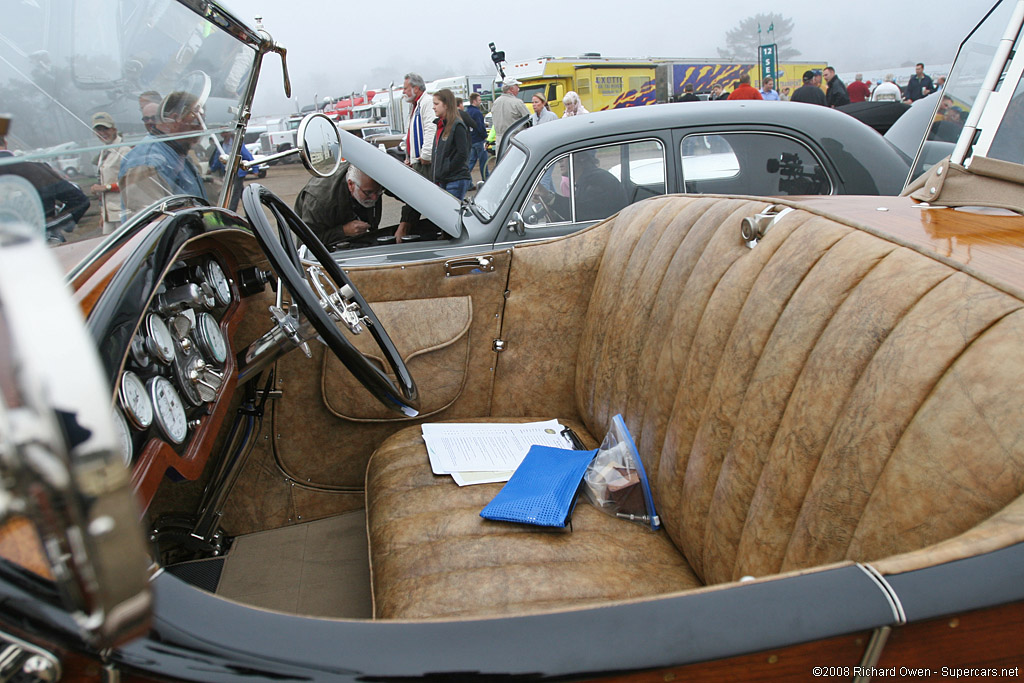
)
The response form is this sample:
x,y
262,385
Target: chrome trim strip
x,y
899,616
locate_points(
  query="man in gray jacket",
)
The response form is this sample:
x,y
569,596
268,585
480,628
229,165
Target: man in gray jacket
x,y
508,108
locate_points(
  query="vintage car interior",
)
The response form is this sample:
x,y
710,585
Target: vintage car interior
x,y
824,392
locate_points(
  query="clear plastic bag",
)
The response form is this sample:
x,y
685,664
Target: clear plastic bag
x,y
616,482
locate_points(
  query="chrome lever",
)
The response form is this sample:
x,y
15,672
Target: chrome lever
x,y
469,266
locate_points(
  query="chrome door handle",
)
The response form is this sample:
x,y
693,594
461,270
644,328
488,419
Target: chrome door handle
x,y
469,266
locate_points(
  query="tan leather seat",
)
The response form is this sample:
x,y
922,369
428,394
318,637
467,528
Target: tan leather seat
x,y
827,396
434,556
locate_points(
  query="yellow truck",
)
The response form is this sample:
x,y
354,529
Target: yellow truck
x,y
612,83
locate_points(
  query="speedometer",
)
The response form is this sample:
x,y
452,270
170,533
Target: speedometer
x,y
135,401
159,340
219,282
124,437
211,339
168,410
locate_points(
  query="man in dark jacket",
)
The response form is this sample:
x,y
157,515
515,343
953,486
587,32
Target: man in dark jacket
x,y
810,91
341,207
920,84
836,95
688,94
477,136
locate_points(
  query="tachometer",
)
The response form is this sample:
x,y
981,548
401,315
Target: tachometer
x,y
159,340
135,400
168,410
219,282
211,340
124,437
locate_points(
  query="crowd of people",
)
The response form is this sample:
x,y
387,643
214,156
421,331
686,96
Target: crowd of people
x,y
836,94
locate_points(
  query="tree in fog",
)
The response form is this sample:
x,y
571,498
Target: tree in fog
x,y
742,42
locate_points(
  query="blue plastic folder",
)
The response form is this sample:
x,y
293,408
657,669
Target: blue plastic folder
x,y
543,488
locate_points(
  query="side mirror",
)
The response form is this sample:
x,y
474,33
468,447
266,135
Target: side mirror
x,y
320,145
516,224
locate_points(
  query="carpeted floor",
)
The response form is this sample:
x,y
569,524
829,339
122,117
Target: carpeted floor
x,y
319,569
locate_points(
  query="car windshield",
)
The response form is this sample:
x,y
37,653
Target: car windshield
x,y
499,182
961,93
87,84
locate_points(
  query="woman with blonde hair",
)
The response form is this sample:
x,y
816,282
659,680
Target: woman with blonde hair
x,y
541,112
450,165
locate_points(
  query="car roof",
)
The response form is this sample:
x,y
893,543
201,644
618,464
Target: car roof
x,y
854,148
814,120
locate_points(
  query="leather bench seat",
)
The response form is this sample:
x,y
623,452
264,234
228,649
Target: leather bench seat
x,y
434,556
831,395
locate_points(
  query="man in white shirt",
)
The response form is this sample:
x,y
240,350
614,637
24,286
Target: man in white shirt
x,y
887,91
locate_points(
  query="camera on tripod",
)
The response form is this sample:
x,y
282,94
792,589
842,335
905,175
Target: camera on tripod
x,y
498,57
794,178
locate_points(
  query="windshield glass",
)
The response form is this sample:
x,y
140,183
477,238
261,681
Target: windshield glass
x,y
958,96
108,101
499,182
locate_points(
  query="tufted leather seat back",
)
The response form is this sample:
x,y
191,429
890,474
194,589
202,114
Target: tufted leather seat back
x,y
827,395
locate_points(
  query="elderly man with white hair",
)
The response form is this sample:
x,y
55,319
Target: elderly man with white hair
x,y
573,106
341,207
419,138
508,108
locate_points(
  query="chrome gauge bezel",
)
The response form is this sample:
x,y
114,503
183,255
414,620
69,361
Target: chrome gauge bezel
x,y
211,339
218,282
131,385
124,437
159,339
168,410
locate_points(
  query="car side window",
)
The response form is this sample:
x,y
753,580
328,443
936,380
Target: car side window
x,y
751,163
595,183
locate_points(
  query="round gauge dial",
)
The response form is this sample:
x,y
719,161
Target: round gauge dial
x,y
219,282
159,340
211,339
168,410
135,400
124,437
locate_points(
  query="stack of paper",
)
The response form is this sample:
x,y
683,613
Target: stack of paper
x,y
483,453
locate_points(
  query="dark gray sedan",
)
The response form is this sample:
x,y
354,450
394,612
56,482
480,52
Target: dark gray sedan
x,y
560,177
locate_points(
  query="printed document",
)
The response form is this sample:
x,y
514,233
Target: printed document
x,y
486,452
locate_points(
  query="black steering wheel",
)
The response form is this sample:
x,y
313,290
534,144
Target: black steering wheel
x,y
345,301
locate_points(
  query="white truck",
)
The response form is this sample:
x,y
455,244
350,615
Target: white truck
x,y
281,135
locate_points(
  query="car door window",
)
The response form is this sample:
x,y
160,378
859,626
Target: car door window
x,y
595,183
751,163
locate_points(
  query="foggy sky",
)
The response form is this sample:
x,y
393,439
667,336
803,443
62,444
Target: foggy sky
x,y
335,48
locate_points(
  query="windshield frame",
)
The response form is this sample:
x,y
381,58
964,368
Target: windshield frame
x,y
991,102
240,44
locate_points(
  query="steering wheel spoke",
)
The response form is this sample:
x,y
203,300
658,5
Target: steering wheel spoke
x,y
325,298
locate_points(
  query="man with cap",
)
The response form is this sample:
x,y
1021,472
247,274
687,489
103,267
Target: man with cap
x,y
108,165
508,108
810,92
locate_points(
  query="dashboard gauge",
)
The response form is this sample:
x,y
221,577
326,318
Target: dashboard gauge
x,y
124,437
168,410
211,340
135,401
219,281
159,340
